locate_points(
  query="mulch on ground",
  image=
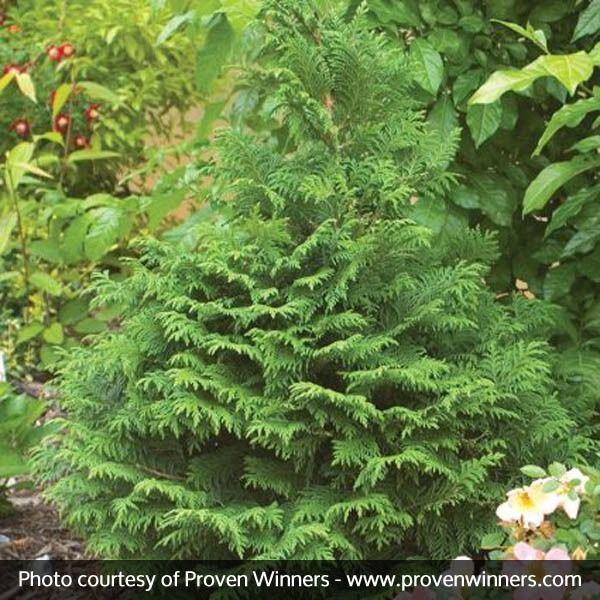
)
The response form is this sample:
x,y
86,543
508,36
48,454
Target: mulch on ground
x,y
34,531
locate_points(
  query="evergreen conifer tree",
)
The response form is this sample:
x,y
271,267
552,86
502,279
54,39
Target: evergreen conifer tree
x,y
320,377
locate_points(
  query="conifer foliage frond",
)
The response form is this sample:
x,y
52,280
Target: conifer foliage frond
x,y
320,377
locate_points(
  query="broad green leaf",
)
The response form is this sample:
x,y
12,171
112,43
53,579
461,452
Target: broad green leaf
x,y
585,239
48,250
7,224
88,326
443,116
212,112
103,231
569,69
29,332
26,85
430,212
215,53
46,283
589,21
553,178
54,334
73,311
50,136
99,92
81,155
570,115
496,199
173,25
60,97
395,11
465,84
428,64
571,208
466,197
588,144
12,463
19,155
160,205
29,168
483,121
595,54
507,80
558,281
537,36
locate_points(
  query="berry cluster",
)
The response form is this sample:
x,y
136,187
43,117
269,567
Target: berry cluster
x,y
62,122
60,53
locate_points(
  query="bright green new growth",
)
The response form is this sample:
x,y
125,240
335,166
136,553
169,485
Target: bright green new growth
x,y
319,378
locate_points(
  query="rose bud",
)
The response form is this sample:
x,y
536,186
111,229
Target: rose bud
x,y
92,113
81,141
67,50
21,128
62,122
54,53
12,68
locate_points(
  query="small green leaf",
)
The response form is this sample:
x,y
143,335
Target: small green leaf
x,y
483,121
492,540
54,334
557,469
533,471
553,178
46,283
428,64
550,486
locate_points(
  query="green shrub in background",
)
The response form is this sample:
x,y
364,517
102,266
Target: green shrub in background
x,y
111,44
456,45
319,377
84,87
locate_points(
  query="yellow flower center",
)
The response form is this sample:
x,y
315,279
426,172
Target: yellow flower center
x,y
524,501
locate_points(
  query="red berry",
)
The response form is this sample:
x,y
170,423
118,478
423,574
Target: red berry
x,y
67,50
92,113
81,141
54,53
21,128
62,122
